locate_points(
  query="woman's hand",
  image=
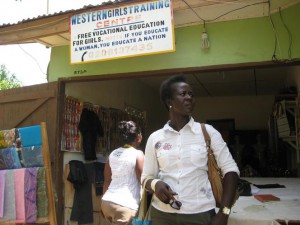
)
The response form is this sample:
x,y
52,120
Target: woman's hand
x,y
164,192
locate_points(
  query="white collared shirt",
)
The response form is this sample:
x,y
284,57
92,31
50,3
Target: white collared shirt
x,y
180,160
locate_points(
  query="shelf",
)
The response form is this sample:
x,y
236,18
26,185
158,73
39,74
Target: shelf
x,y
290,107
72,151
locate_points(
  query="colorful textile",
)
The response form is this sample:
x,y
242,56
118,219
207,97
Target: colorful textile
x,y
32,156
2,162
9,138
19,175
9,197
31,136
30,194
41,194
2,185
17,137
11,158
2,140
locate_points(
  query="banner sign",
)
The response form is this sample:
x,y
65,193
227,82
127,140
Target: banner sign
x,y
125,31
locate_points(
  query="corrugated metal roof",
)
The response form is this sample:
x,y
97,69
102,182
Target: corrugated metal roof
x,y
70,11
211,8
53,29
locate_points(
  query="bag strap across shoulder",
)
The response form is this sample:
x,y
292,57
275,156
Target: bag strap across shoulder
x,y
206,136
210,154
208,147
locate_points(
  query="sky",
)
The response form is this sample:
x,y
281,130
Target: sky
x,y
29,62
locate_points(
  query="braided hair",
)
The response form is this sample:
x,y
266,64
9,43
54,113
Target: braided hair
x,y
129,131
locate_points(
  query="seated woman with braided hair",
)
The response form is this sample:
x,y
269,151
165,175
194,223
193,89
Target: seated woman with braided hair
x,y
122,183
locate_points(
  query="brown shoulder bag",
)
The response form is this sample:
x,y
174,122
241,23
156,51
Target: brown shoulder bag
x,y
214,172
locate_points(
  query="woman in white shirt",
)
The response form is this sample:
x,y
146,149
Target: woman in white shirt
x,y
122,186
175,166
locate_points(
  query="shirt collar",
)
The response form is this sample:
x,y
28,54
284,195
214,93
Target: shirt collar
x,y
194,126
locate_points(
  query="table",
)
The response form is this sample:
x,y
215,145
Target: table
x,y
249,211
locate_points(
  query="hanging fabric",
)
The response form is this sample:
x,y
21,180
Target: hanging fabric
x,y
2,185
19,180
90,128
9,208
30,194
31,136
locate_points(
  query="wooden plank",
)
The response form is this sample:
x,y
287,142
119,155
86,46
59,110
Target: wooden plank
x,y
67,216
26,113
47,165
59,155
96,199
69,188
27,96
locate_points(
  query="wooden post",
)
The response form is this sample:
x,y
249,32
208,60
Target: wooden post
x,y
49,183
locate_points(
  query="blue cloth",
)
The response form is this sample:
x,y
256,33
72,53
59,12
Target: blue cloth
x,y
31,136
32,156
11,158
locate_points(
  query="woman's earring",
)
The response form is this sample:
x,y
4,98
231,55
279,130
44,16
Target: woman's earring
x,y
170,107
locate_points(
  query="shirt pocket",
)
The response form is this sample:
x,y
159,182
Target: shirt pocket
x,y
198,154
165,159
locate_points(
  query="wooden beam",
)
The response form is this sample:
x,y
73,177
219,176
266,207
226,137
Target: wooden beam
x,y
31,30
43,42
25,97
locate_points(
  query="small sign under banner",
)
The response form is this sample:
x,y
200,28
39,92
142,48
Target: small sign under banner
x,y
138,29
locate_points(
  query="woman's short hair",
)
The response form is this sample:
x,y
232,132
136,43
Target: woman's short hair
x,y
166,87
129,131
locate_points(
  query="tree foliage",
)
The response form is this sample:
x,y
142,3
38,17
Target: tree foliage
x,y
8,80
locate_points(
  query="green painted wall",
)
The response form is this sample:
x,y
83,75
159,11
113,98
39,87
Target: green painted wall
x,y
232,42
